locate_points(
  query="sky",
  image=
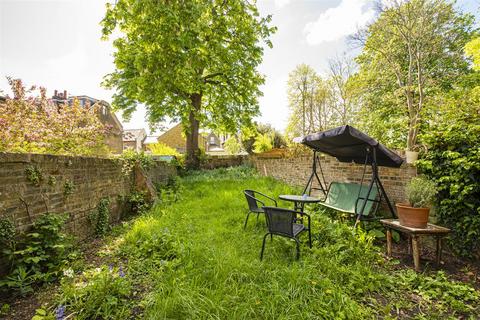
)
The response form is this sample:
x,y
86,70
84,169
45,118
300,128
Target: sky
x,y
56,44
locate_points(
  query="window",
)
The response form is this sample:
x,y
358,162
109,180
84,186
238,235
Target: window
x,y
212,140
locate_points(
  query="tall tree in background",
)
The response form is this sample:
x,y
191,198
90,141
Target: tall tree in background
x,y
341,93
193,61
412,51
307,98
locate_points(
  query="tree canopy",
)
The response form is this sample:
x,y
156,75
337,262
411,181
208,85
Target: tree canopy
x,y
193,61
414,50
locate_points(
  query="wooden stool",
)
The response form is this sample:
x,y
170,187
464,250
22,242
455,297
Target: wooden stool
x,y
414,235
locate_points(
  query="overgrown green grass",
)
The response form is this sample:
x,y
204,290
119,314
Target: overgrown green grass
x,y
192,259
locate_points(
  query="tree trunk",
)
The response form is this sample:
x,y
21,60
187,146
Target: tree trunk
x,y
192,160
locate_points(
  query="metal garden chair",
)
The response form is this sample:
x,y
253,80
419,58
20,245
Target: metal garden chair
x,y
282,222
253,203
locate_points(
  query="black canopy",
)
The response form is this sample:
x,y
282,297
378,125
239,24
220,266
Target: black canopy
x,y
348,144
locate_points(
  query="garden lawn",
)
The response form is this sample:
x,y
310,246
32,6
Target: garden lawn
x,y
190,258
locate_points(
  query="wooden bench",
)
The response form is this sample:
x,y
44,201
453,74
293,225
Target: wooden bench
x,y
414,235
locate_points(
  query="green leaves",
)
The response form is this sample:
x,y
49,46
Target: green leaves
x,y
171,50
453,162
411,53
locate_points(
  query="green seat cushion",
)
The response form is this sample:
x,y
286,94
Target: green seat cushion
x,y
342,196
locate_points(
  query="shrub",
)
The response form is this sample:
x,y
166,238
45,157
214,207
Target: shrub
x,y
420,192
38,256
162,149
262,143
31,123
232,146
130,158
138,203
453,163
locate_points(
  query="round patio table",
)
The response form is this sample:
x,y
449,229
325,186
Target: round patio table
x,y
299,201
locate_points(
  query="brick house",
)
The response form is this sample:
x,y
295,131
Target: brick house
x,y
114,138
209,141
134,139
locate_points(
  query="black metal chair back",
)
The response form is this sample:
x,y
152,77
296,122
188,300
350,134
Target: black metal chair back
x,y
280,221
284,222
253,201
254,204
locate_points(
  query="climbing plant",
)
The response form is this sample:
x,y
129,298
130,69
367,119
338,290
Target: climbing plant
x,y
101,217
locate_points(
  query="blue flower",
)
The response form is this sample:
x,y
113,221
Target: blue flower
x,y
110,267
60,313
120,272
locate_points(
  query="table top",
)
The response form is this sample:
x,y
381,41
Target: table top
x,y
430,229
297,198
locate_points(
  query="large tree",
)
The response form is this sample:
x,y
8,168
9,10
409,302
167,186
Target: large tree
x,y
307,101
411,52
194,61
341,92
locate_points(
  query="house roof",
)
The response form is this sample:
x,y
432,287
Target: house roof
x,y
101,102
134,134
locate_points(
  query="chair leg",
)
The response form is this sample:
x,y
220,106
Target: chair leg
x,y
246,220
298,248
263,246
310,237
271,236
257,218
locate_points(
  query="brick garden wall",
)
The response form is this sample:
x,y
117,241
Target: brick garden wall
x,y
224,161
92,179
296,169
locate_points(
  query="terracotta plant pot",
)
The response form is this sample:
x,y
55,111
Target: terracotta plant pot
x,y
412,217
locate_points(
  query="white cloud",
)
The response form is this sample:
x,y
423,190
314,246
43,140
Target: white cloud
x,y
281,3
339,21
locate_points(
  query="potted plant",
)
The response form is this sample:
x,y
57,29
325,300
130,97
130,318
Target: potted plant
x,y
420,193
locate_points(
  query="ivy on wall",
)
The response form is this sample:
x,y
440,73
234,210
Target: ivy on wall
x,y
453,163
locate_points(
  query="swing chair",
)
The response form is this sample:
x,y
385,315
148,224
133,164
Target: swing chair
x,y
348,144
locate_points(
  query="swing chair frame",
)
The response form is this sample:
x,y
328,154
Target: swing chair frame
x,y
350,145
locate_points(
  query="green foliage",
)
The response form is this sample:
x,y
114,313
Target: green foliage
x,y
399,66
205,45
249,136
34,175
169,192
29,122
138,203
7,232
263,143
148,239
130,158
102,293
101,217
473,49
232,146
453,163
38,256
162,149
420,192
52,181
68,187
439,295
4,309
43,314
190,259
